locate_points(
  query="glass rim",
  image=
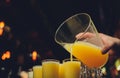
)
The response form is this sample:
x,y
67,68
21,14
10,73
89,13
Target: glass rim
x,y
52,60
69,59
37,66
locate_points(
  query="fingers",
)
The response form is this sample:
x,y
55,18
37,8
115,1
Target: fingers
x,y
84,35
105,39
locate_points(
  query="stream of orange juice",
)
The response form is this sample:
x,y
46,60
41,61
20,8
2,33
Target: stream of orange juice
x,y
89,54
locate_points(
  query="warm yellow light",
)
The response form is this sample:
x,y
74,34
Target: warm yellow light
x,y
2,24
34,55
8,54
117,64
1,31
118,68
3,56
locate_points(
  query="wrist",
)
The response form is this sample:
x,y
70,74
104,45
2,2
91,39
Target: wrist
x,y
117,42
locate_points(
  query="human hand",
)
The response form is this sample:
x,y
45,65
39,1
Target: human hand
x,y
108,41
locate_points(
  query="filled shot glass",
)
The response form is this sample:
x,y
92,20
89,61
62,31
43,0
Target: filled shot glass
x,y
50,68
71,68
37,71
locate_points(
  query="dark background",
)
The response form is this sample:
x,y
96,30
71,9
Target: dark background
x,y
33,24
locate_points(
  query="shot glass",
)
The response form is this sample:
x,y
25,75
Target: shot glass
x,y
37,71
50,68
71,68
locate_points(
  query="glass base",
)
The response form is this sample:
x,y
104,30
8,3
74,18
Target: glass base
x,y
90,72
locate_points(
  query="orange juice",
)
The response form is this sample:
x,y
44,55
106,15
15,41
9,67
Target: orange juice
x,y
71,69
37,71
50,69
89,54
61,71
